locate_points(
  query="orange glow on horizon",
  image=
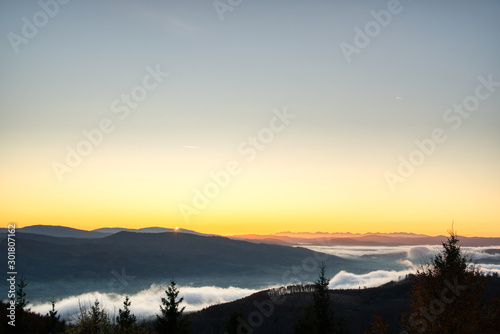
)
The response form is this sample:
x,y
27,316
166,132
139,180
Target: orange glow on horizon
x,y
227,227
263,200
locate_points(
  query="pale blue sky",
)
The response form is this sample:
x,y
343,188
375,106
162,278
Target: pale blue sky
x,y
263,55
226,77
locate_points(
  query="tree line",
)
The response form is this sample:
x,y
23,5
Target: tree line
x,y
95,320
448,295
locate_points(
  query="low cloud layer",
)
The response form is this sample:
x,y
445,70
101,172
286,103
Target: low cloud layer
x,y
421,254
346,280
145,303
353,252
489,268
415,254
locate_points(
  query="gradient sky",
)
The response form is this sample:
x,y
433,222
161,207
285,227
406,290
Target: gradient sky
x,y
325,171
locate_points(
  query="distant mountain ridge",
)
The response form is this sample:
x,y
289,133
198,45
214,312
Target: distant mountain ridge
x,y
116,260
70,232
60,232
286,238
113,230
346,234
130,261
367,239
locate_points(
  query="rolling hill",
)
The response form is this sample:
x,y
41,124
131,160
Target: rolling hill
x,y
84,264
276,314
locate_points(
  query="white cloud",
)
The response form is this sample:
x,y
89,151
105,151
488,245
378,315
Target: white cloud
x,y
489,268
479,253
353,252
407,263
346,280
146,303
422,253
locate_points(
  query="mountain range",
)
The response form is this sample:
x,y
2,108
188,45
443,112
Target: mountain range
x,y
282,238
368,239
130,261
121,260
69,232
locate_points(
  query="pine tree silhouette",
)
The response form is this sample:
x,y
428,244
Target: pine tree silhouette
x,y
171,320
448,295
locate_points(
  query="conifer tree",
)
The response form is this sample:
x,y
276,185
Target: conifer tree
x,y
171,320
22,309
125,319
93,321
321,297
54,324
319,318
448,295
21,300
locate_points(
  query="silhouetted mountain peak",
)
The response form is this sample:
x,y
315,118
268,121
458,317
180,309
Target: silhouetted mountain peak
x,y
61,232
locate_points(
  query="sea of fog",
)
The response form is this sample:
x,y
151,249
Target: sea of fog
x,y
146,303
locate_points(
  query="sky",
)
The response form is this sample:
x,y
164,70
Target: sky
x,y
251,116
